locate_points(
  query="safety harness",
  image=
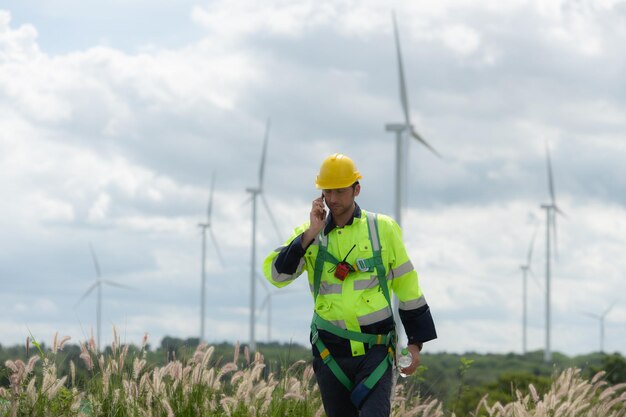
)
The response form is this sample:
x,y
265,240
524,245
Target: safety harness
x,y
361,390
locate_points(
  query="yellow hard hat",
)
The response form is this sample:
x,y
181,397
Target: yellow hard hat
x,y
337,171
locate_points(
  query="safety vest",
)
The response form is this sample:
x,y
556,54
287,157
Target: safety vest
x,y
375,263
358,301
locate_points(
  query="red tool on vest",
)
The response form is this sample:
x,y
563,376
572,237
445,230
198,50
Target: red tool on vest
x,y
342,269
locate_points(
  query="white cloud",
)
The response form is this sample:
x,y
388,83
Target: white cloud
x,y
100,207
37,307
461,39
241,18
16,45
50,208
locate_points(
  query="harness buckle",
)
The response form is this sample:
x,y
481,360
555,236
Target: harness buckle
x,y
391,343
361,265
314,335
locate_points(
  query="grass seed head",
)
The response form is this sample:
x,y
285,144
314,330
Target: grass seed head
x,y
88,360
115,342
236,352
63,341
31,391
73,372
55,343
92,343
54,390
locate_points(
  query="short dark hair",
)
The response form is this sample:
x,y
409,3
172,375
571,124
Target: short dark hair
x,y
354,185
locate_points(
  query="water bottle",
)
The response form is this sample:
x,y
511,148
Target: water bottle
x,y
404,360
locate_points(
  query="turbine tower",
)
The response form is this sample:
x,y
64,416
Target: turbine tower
x,y
204,227
601,318
98,286
258,192
403,131
551,211
525,271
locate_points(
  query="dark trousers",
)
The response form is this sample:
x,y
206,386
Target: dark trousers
x,y
336,398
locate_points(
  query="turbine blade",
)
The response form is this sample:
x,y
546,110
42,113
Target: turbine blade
x,y
264,303
595,316
532,244
210,205
550,177
403,95
247,200
558,210
264,154
263,282
535,279
554,234
271,216
115,284
420,139
86,294
609,309
95,260
217,248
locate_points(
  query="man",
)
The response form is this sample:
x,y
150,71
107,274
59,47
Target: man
x,y
354,260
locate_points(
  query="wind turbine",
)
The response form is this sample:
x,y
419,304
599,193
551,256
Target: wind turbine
x,y
402,130
98,285
551,210
525,271
267,302
258,192
601,318
204,227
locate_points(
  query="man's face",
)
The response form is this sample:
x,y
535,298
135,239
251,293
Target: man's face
x,y
340,200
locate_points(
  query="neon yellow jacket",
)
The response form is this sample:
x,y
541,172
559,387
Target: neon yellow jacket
x,y
357,303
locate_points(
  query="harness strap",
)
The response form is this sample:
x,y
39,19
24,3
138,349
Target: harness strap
x,y
330,360
370,339
363,388
372,227
360,392
322,256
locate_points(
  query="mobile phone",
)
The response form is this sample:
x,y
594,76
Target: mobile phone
x,y
324,206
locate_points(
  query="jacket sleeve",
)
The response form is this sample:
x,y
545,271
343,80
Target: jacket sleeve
x,y
413,308
286,263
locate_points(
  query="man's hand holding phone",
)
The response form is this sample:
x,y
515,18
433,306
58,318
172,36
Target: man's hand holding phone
x,y
317,218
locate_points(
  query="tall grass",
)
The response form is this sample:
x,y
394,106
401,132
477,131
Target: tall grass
x,y
569,396
123,384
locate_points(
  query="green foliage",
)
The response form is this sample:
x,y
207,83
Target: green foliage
x,y
502,390
61,404
462,370
615,367
36,344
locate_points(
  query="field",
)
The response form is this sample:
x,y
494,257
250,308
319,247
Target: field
x,y
126,380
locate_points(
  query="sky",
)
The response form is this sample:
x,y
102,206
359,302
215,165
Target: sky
x,y
114,116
